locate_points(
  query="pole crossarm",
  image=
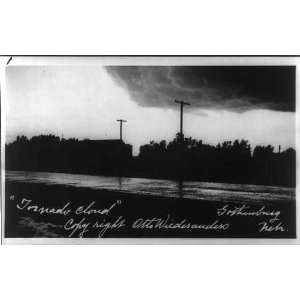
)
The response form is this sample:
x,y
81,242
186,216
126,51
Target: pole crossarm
x,y
182,102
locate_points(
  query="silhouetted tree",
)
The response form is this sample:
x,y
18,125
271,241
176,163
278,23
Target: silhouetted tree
x,y
182,158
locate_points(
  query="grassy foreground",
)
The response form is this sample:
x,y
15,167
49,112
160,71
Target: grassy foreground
x,y
133,216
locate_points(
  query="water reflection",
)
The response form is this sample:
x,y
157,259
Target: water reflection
x,y
160,187
180,189
120,183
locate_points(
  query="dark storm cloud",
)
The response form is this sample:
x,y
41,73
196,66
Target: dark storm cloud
x,y
233,88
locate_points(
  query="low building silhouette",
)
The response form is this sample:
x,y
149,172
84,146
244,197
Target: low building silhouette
x,y
50,153
105,156
114,148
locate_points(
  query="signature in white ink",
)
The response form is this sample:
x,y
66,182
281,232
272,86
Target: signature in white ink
x,y
169,223
82,227
266,227
73,226
118,223
89,210
25,205
245,211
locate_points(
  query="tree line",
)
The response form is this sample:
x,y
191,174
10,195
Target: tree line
x,y
182,158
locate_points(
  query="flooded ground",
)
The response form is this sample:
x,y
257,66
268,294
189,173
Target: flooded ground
x,y
159,187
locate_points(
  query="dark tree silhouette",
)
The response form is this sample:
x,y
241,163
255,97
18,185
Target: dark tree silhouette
x,y
182,158
189,159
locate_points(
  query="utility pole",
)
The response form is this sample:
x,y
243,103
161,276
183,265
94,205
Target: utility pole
x,y
121,127
182,103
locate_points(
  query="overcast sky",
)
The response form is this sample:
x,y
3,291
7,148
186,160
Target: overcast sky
x,y
254,103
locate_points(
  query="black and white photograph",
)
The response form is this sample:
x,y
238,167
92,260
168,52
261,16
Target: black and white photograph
x,y
149,148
